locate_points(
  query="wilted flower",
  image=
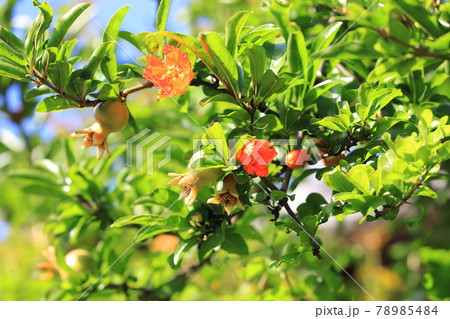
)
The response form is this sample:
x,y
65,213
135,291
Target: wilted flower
x,y
50,265
173,75
110,116
228,197
255,155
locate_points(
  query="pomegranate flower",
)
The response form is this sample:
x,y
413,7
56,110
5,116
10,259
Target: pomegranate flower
x,y
255,155
50,266
173,75
228,197
110,116
191,181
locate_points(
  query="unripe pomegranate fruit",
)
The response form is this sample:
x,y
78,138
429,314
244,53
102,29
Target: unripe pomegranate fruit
x,y
110,116
80,261
296,158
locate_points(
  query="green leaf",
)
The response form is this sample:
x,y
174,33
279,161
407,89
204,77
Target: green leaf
x,y
270,84
59,74
384,124
336,180
35,34
426,191
359,177
109,63
55,103
233,29
217,136
34,92
347,51
109,92
63,24
12,71
222,97
11,47
398,30
162,14
161,196
34,176
416,12
65,49
319,89
415,223
182,248
297,54
277,195
325,37
338,123
281,12
147,219
256,56
91,66
223,61
288,259
234,243
213,241
367,204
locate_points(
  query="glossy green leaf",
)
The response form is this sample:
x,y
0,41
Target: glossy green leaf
x,y
12,71
338,123
297,54
257,57
359,176
213,241
91,66
11,47
63,24
337,181
223,61
281,12
234,243
111,33
55,103
416,12
233,29
319,89
270,84
59,74
161,14
42,22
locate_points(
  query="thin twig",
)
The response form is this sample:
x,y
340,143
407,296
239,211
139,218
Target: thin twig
x,y
421,50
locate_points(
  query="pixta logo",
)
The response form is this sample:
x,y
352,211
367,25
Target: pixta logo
x,y
144,151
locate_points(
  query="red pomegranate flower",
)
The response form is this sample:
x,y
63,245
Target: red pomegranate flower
x,y
173,75
255,155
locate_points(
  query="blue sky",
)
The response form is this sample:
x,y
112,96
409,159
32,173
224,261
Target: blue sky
x,y
140,18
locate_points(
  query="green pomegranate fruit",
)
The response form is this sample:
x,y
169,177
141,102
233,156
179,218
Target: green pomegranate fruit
x,y
80,261
112,116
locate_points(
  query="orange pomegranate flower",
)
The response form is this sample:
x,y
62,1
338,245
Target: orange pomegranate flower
x,y
255,155
173,75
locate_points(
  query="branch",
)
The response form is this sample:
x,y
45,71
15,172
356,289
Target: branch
x,y
42,79
421,50
126,92
284,202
